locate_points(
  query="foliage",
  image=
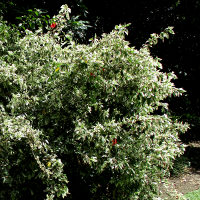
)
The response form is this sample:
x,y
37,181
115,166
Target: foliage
x,y
33,20
193,195
87,114
73,27
39,18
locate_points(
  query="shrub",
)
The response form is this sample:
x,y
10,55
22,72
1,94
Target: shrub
x,y
85,114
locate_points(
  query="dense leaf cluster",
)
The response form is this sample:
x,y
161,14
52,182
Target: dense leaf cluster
x,y
62,106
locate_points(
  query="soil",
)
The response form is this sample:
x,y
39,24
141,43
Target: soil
x,y
187,182
190,179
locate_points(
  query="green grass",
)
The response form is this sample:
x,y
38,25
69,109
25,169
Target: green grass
x,y
195,195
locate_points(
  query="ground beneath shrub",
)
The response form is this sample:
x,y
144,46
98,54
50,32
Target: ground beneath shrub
x,y
187,182
190,179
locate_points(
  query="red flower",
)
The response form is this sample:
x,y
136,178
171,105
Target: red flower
x,y
114,141
91,74
53,25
